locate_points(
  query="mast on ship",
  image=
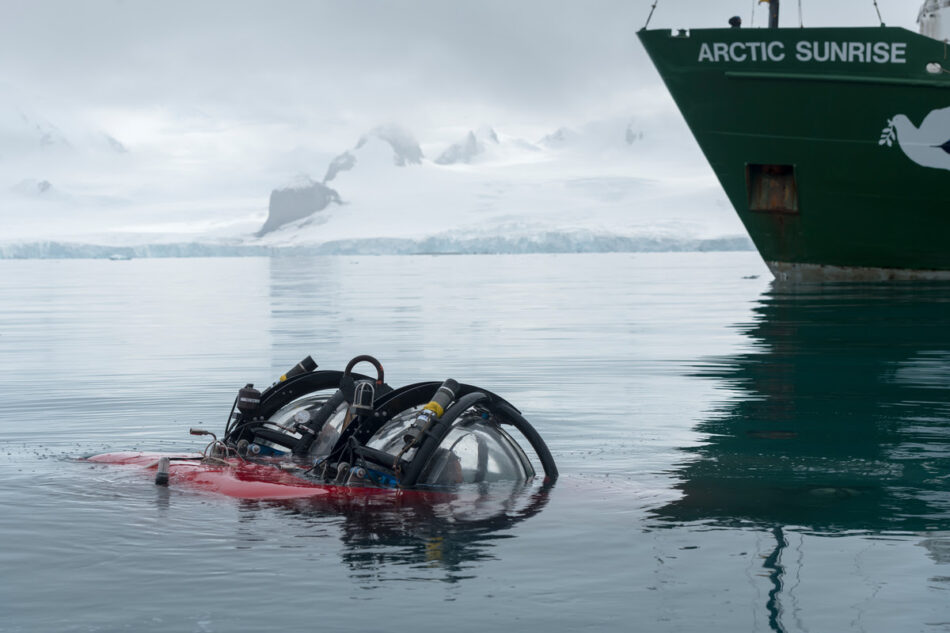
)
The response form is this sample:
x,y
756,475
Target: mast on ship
x,y
773,14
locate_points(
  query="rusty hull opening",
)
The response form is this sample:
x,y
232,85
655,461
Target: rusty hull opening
x,y
772,188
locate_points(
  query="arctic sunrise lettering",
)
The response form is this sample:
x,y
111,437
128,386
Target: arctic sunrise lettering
x,y
848,52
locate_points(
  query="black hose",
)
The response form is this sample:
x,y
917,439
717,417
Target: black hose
x,y
230,422
276,437
534,438
437,431
276,397
317,421
379,459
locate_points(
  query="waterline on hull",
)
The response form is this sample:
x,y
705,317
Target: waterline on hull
x,y
794,272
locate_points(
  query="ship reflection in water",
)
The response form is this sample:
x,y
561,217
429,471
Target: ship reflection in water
x,y
838,416
836,422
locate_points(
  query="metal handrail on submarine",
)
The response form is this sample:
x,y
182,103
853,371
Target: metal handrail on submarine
x,y
347,428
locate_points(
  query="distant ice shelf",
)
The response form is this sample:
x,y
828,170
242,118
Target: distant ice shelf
x,y
550,242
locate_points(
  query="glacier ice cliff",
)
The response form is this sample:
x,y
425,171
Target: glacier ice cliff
x,y
443,244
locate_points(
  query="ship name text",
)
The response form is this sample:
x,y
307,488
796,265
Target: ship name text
x,y
821,52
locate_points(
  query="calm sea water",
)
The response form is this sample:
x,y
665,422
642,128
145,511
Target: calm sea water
x,y
736,455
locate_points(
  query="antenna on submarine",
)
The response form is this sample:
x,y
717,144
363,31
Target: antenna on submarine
x,y
878,9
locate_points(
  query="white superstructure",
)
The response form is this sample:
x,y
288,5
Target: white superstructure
x,y
934,19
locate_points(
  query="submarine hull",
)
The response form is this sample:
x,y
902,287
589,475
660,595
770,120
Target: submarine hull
x,y
240,479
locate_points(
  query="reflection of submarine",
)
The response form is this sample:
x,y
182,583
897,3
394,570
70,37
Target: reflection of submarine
x,y
313,431
440,530
837,417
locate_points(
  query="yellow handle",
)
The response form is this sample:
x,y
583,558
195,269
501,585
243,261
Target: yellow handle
x,y
435,407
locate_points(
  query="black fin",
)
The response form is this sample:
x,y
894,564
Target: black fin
x,y
945,147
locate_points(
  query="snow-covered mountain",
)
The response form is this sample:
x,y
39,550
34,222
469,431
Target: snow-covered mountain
x,y
606,185
617,184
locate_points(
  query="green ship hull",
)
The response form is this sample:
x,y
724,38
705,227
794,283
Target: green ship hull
x,y
832,144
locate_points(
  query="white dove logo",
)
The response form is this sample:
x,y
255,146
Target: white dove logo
x,y
928,145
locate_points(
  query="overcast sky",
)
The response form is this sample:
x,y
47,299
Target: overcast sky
x,y
206,106
337,67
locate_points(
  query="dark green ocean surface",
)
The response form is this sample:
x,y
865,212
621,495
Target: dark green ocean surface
x,y
736,455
